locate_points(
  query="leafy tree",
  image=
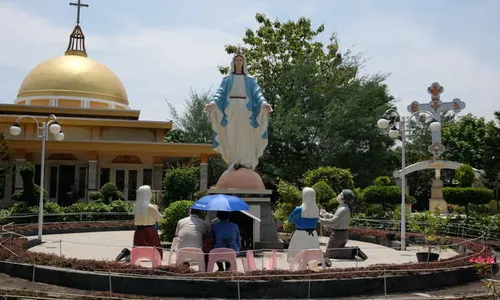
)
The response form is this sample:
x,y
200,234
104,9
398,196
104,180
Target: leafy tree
x,y
324,112
473,141
338,179
194,124
382,181
180,183
465,175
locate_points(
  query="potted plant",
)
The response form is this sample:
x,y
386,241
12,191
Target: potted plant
x,y
432,240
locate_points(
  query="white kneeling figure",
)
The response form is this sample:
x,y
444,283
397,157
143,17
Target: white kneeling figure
x,y
305,219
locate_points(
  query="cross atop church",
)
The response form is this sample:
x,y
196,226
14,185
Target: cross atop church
x,y
78,5
436,107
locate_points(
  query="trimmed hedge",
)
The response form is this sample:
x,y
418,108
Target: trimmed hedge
x,y
337,178
172,214
465,196
377,194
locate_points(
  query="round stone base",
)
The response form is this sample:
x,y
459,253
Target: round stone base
x,y
241,179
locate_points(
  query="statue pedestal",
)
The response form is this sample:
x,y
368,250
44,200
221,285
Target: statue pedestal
x,y
437,203
248,185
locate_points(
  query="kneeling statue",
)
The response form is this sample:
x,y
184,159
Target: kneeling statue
x,y
340,221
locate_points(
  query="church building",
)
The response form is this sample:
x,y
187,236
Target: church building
x,y
104,140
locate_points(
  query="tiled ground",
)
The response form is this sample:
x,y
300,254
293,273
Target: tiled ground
x,y
107,245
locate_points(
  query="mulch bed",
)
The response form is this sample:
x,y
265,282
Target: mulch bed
x,y
28,257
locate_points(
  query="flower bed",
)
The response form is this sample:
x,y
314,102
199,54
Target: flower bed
x,y
28,257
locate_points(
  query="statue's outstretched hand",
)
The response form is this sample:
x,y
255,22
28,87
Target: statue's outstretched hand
x,y
268,108
209,107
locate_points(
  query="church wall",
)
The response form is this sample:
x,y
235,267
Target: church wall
x,y
101,105
74,133
41,102
68,103
128,134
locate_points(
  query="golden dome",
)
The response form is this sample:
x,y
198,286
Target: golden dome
x,y
75,76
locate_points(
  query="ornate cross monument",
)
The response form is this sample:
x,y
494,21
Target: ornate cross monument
x,y
436,107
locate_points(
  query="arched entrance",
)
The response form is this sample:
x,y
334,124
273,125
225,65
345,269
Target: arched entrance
x,y
436,202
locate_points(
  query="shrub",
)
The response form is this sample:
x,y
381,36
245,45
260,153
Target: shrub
x,y
121,206
180,183
338,179
465,196
282,211
289,193
383,195
94,196
324,193
200,194
382,181
465,176
110,192
172,214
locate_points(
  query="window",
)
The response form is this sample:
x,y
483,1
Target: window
x,y
53,185
38,174
147,177
104,177
82,181
120,180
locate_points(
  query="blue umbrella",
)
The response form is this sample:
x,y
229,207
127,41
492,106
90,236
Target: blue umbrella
x,y
220,202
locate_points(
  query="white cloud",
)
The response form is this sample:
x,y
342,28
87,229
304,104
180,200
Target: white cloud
x,y
415,56
158,63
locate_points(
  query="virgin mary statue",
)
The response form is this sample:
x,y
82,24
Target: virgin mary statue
x,y
239,114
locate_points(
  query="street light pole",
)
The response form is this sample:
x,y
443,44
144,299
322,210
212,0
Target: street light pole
x,y
53,126
403,183
394,133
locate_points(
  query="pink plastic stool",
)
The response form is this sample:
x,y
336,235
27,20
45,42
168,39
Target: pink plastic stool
x,y
222,255
191,254
273,261
145,253
173,248
303,259
249,262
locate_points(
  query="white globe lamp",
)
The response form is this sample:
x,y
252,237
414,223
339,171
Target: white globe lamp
x,y
383,123
435,126
393,133
59,136
55,128
15,129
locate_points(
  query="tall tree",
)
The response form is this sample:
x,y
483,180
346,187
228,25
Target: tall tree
x,y
194,126
324,111
474,141
194,123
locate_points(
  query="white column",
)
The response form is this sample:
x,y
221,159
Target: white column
x,y
158,177
92,185
203,176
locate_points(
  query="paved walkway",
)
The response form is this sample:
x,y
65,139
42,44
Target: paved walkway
x,y
107,245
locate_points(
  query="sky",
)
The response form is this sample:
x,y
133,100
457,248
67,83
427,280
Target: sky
x,y
162,49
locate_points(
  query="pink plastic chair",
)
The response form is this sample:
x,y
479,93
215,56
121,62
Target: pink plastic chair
x,y
249,262
305,257
191,254
273,261
222,255
137,254
173,248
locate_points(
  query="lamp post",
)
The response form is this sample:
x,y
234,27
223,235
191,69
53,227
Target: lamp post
x,y
53,126
394,133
